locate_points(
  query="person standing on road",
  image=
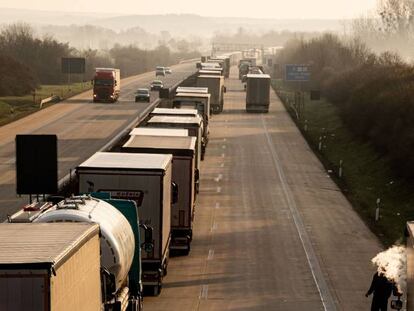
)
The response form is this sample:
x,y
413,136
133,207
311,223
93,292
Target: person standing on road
x,y
382,288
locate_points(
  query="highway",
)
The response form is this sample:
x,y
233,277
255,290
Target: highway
x,y
272,231
82,128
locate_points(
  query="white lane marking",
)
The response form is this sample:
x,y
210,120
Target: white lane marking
x,y
223,155
210,254
222,165
323,289
224,139
204,292
218,189
223,146
217,205
214,226
218,178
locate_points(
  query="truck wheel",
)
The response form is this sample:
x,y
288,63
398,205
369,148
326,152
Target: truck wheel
x,y
157,290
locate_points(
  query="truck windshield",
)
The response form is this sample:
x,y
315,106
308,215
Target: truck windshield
x,y
104,82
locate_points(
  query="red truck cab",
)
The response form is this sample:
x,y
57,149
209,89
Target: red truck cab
x,y
106,85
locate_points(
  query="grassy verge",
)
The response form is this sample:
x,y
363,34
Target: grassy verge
x,y
366,176
16,107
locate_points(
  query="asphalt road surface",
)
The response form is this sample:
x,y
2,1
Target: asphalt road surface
x,y
272,231
82,128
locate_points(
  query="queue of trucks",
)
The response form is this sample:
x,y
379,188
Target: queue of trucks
x,y
109,245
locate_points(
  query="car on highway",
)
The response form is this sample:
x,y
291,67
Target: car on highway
x,y
159,71
142,95
168,70
156,85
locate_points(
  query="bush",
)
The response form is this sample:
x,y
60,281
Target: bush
x,y
16,79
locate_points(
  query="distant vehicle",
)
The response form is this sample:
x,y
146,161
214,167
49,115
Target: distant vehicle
x,y
257,93
168,70
156,85
142,95
106,85
160,71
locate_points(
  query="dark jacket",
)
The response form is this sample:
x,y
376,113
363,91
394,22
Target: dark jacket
x,y
382,287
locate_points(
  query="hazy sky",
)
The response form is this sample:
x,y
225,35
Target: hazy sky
x,y
247,8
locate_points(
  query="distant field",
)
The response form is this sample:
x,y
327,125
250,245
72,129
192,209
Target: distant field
x,y
367,174
16,107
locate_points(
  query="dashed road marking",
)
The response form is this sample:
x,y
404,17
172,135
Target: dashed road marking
x,y
218,178
222,165
217,205
204,292
223,155
214,226
223,147
218,189
210,254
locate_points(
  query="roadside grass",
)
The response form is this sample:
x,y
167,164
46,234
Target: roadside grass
x,y
16,107
367,174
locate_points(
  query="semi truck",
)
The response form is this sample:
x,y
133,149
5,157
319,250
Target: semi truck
x,y
201,102
194,125
120,242
215,85
146,180
257,93
106,85
51,267
225,63
183,174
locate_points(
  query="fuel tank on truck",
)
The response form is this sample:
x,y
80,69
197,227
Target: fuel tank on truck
x,y
117,238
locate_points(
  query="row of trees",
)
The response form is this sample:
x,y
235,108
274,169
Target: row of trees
x,y
373,92
389,28
32,61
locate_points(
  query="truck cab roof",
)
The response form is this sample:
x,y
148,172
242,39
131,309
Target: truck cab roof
x,y
117,160
179,112
184,146
155,131
197,120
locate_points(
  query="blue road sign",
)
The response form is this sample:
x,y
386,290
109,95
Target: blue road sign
x,y
297,73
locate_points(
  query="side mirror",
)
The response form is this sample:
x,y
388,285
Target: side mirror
x,y
225,89
197,180
148,244
174,193
108,284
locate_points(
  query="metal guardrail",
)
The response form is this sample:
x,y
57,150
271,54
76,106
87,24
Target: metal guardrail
x,y
51,99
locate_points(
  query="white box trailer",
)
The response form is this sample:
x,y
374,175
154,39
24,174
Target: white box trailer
x,y
215,85
183,174
201,102
50,267
174,112
154,131
194,125
147,180
257,93
191,89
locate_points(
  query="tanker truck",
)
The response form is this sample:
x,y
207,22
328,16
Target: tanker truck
x,y
120,242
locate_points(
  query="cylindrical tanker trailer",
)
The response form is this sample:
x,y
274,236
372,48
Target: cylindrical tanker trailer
x,y
118,243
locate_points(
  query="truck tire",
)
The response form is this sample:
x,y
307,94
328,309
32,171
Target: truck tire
x,y
157,290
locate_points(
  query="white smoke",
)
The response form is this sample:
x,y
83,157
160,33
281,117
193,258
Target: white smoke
x,y
393,264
